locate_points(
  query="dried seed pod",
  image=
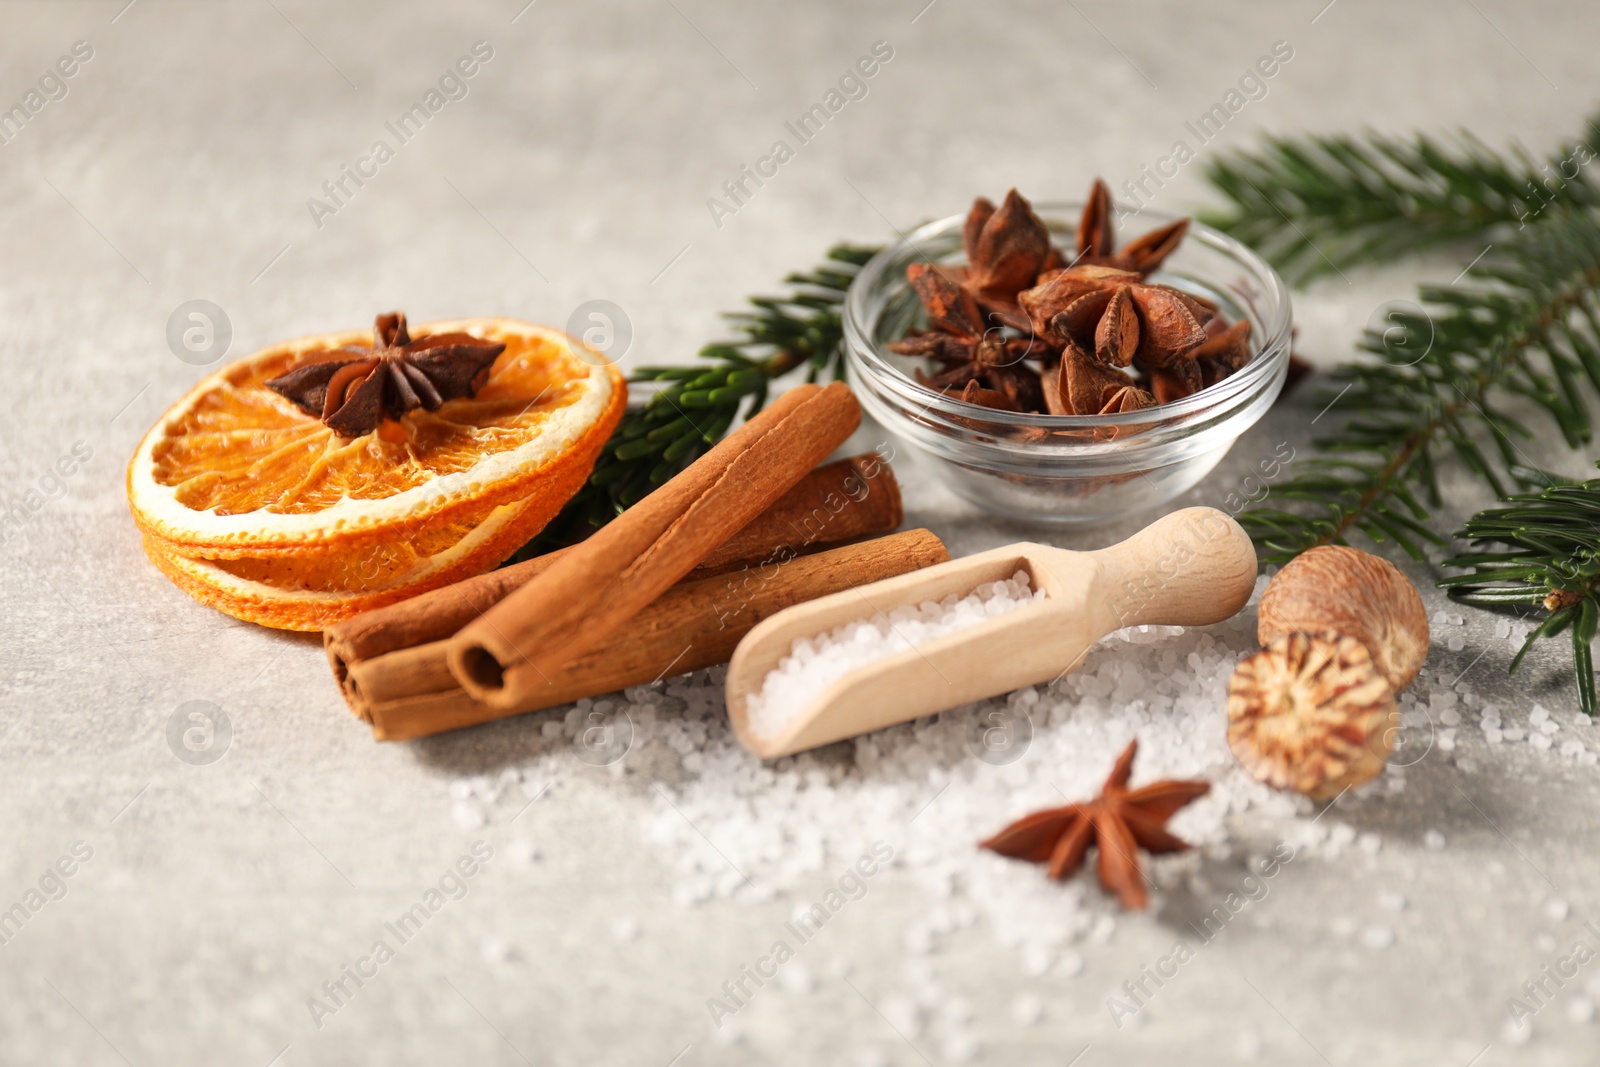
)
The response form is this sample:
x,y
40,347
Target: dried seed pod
x,y
1311,712
1353,593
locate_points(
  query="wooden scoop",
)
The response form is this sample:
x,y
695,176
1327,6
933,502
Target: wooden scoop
x,y
1191,568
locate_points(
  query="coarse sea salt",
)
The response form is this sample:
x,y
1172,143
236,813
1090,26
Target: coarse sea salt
x,y
814,663
732,828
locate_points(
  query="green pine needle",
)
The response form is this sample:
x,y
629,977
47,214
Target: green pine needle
x,y
693,407
1525,328
1316,205
1528,330
1550,561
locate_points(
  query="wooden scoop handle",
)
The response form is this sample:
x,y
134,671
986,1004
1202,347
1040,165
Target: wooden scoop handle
x,y
1193,567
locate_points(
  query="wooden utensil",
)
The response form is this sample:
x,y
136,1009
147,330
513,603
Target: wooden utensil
x,y
1191,568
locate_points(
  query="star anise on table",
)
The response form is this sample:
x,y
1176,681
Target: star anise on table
x,y
1119,821
967,350
1097,242
354,389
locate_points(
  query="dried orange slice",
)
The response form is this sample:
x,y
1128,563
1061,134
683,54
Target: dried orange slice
x,y
277,592
260,509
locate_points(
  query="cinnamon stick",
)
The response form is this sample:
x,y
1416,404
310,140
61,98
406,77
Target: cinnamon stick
x,y
838,502
583,597
411,693
844,500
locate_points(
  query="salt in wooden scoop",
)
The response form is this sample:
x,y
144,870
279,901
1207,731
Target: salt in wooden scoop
x,y
1191,568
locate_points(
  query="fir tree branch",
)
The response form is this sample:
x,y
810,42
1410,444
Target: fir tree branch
x,y
1315,205
694,406
1530,330
1551,560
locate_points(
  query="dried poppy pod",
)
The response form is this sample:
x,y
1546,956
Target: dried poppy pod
x,y
1312,713
1353,593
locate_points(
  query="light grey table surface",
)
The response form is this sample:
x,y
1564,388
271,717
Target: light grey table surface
x,y
178,165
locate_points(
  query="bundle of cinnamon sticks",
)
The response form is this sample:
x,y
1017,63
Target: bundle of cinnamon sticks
x,y
670,586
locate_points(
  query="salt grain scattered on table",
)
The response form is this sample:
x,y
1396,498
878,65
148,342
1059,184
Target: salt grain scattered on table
x,y
466,815
1377,937
796,978
1036,960
924,791
1027,1009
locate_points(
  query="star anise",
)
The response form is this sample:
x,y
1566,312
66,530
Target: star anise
x,y
965,348
987,398
1117,315
1097,243
1120,821
1016,300
1129,398
354,389
1182,378
1226,350
1007,248
1080,385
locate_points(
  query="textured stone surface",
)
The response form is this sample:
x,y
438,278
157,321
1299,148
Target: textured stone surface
x,y
219,897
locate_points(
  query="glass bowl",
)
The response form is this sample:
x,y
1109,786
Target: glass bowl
x,y
1063,469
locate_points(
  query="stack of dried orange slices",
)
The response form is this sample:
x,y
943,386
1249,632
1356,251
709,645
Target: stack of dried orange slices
x,y
336,473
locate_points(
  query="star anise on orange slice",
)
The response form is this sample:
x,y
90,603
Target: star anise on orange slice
x,y
1116,315
1097,242
354,394
254,506
1119,822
